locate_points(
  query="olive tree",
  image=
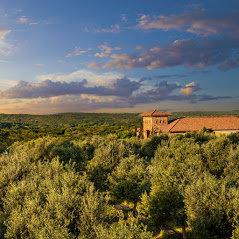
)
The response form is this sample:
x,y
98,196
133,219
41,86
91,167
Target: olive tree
x,y
129,180
206,209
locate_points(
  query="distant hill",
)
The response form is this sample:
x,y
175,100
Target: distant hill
x,y
73,119
24,127
117,119
113,119
202,113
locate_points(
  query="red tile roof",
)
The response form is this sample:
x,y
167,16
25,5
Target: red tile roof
x,y
156,113
215,123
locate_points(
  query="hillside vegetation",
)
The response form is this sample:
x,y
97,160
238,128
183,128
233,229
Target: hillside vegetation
x,y
92,184
23,127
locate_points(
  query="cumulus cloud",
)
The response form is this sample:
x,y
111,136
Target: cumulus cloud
x,y
42,89
197,21
7,83
165,91
102,90
66,103
93,79
121,87
197,53
190,88
161,91
89,103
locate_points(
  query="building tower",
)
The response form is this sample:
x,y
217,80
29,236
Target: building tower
x,y
154,122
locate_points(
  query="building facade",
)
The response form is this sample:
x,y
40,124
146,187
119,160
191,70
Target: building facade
x,y
156,122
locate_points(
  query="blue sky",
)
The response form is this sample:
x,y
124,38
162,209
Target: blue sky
x,y
118,56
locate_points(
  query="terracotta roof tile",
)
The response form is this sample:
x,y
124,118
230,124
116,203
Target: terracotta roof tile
x,y
198,123
156,113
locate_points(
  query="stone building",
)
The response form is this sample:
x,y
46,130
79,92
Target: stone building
x,y
154,122
157,122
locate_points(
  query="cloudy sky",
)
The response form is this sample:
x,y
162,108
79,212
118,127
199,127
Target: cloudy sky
x,y
118,55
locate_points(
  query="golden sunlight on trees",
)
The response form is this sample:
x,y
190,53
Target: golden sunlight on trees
x,y
183,186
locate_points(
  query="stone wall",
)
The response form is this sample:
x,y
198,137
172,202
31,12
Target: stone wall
x,y
152,124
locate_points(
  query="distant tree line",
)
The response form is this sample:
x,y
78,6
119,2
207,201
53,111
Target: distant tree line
x,y
22,128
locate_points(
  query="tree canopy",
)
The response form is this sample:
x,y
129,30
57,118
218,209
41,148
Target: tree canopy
x,y
101,187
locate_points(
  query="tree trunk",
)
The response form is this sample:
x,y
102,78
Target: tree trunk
x,y
184,232
134,209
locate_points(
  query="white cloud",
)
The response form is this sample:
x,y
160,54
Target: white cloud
x,y
55,104
112,29
139,47
124,18
93,79
102,55
77,51
198,22
50,97
106,50
115,28
85,103
3,33
190,88
7,83
198,53
39,65
5,47
44,89
23,20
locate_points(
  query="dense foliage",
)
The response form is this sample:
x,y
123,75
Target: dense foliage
x,y
110,187
66,125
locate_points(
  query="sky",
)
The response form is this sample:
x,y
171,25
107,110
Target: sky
x,y
118,55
